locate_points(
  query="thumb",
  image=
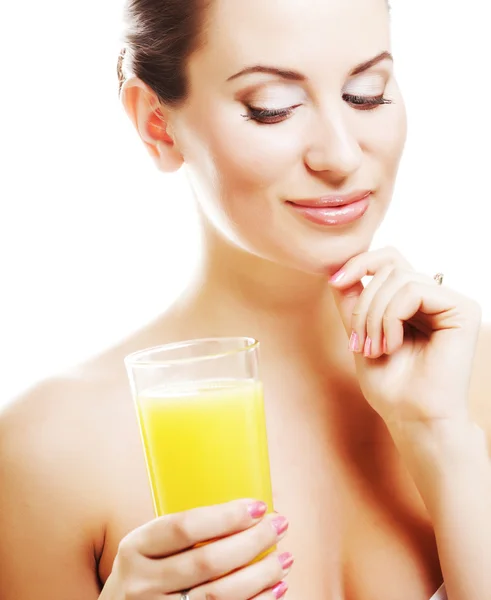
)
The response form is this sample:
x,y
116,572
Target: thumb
x,y
345,300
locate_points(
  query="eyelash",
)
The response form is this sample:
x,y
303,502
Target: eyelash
x,y
264,116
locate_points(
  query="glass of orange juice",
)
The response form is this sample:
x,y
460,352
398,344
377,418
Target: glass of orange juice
x,y
201,414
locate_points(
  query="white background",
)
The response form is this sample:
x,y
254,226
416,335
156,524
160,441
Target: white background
x,y
94,242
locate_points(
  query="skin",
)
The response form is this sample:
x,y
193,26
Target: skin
x,y
74,486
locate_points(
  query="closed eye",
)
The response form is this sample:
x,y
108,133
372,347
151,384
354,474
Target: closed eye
x,y
272,116
267,116
366,102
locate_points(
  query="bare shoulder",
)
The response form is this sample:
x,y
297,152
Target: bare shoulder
x,y
480,391
73,480
69,454
47,503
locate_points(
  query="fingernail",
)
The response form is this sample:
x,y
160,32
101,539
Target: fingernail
x,y
367,350
337,276
353,342
280,590
280,524
257,509
286,560
384,345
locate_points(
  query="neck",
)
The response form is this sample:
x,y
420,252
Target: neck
x,y
237,293
291,313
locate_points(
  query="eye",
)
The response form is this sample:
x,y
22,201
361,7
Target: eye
x,y
269,117
366,102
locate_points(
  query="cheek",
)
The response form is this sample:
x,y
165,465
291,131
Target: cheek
x,y
240,170
246,155
386,138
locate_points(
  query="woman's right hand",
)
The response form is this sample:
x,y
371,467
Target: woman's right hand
x,y
160,559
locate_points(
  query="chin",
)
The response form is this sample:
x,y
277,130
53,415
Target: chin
x,y
318,261
323,256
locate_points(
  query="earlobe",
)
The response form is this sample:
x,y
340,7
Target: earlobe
x,y
141,107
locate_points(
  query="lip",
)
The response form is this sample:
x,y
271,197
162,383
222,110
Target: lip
x,y
333,210
332,201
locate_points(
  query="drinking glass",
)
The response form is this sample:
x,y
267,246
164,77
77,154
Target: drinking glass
x,y
201,414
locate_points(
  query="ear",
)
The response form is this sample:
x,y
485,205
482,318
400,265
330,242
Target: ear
x,y
143,108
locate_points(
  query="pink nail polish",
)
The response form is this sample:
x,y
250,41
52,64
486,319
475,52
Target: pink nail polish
x,y
280,524
257,509
353,342
286,560
280,590
368,347
337,276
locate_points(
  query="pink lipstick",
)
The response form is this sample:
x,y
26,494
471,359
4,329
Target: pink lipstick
x,y
333,210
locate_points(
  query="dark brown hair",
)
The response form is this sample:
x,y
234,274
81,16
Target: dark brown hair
x,y
159,38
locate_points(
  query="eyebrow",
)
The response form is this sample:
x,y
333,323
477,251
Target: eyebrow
x,y
296,76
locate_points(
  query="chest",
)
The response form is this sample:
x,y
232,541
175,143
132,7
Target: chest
x,y
358,530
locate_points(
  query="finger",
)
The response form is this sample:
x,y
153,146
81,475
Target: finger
x,y
376,306
347,287
173,533
439,305
346,300
278,591
361,308
219,558
368,264
259,578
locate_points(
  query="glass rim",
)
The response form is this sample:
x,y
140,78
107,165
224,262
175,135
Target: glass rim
x,y
135,358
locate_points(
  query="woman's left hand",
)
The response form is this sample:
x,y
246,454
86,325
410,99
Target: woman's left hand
x,y
419,338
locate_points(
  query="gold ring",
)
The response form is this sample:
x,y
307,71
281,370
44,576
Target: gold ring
x,y
438,278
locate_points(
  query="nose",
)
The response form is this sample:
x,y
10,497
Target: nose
x,y
333,148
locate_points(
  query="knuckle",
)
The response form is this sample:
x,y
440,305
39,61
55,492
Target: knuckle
x,y
358,324
410,288
388,316
204,563
182,528
358,313
259,538
184,569
388,272
350,294
126,548
274,570
234,514
266,535
358,318
373,320
397,273
393,253
396,258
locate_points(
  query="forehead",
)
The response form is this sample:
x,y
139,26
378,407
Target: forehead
x,y
296,33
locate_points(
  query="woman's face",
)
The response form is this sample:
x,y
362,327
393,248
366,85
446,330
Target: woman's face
x,y
258,145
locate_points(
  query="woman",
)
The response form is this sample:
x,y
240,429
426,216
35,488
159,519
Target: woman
x,y
290,124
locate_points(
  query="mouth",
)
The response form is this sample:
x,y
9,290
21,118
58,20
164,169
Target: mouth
x,y
333,210
332,201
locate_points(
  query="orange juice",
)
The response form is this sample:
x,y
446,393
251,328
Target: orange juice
x,y
205,443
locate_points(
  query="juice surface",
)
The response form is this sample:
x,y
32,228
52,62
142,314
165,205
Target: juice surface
x,y
205,444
